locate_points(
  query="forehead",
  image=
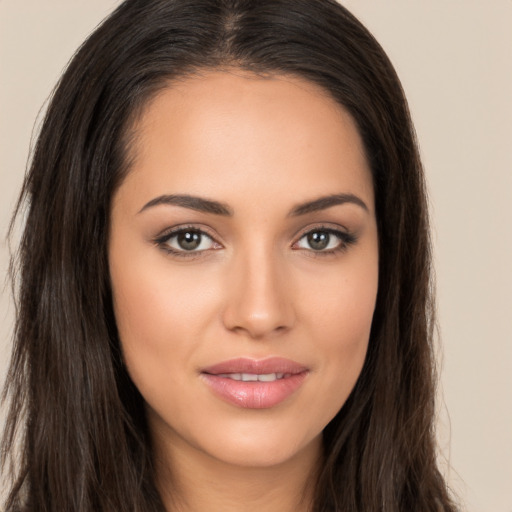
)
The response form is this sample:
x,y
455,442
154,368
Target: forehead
x,y
231,131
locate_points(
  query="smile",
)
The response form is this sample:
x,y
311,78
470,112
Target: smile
x,y
255,384
254,377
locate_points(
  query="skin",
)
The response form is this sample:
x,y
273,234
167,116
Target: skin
x,y
255,289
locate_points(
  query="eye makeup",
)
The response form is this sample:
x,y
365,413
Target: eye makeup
x,y
325,240
187,241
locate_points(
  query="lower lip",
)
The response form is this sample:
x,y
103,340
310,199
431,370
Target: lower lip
x,y
256,394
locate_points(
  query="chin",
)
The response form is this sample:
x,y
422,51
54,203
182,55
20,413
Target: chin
x,y
263,447
256,457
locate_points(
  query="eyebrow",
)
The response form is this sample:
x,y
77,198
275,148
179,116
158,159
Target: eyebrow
x,y
322,203
215,207
192,202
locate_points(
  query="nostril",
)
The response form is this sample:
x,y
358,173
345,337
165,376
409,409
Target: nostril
x,y
257,328
257,303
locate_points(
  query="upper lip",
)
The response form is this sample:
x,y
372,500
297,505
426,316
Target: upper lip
x,y
256,366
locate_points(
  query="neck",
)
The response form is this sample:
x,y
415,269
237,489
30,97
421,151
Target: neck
x,y
192,481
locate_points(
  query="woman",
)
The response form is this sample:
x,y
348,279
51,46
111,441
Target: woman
x,y
224,275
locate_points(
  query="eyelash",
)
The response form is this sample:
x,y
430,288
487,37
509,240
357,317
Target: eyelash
x,y
345,239
162,241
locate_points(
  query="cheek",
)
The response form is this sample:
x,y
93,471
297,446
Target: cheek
x,y
161,316
340,322
340,302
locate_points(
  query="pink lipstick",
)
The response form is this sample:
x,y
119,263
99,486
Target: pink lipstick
x,y
255,384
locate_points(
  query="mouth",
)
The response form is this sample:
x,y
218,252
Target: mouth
x,y
255,384
254,377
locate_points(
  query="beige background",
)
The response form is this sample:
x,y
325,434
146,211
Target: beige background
x,y
455,61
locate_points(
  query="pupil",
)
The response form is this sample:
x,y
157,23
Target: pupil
x,y
318,240
189,240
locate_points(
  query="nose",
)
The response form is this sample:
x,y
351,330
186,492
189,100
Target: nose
x,y
259,297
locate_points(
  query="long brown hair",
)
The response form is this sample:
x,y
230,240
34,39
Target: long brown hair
x,y
76,437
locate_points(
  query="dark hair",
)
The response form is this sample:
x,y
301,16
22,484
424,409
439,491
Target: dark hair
x,y
76,416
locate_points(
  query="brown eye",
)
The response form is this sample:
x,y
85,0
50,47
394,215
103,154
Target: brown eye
x,y
318,240
325,240
189,240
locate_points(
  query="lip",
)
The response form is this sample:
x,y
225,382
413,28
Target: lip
x,y
255,394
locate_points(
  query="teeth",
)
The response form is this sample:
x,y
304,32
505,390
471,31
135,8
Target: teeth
x,y
252,377
268,377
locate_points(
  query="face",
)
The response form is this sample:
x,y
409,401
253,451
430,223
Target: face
x,y
244,262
